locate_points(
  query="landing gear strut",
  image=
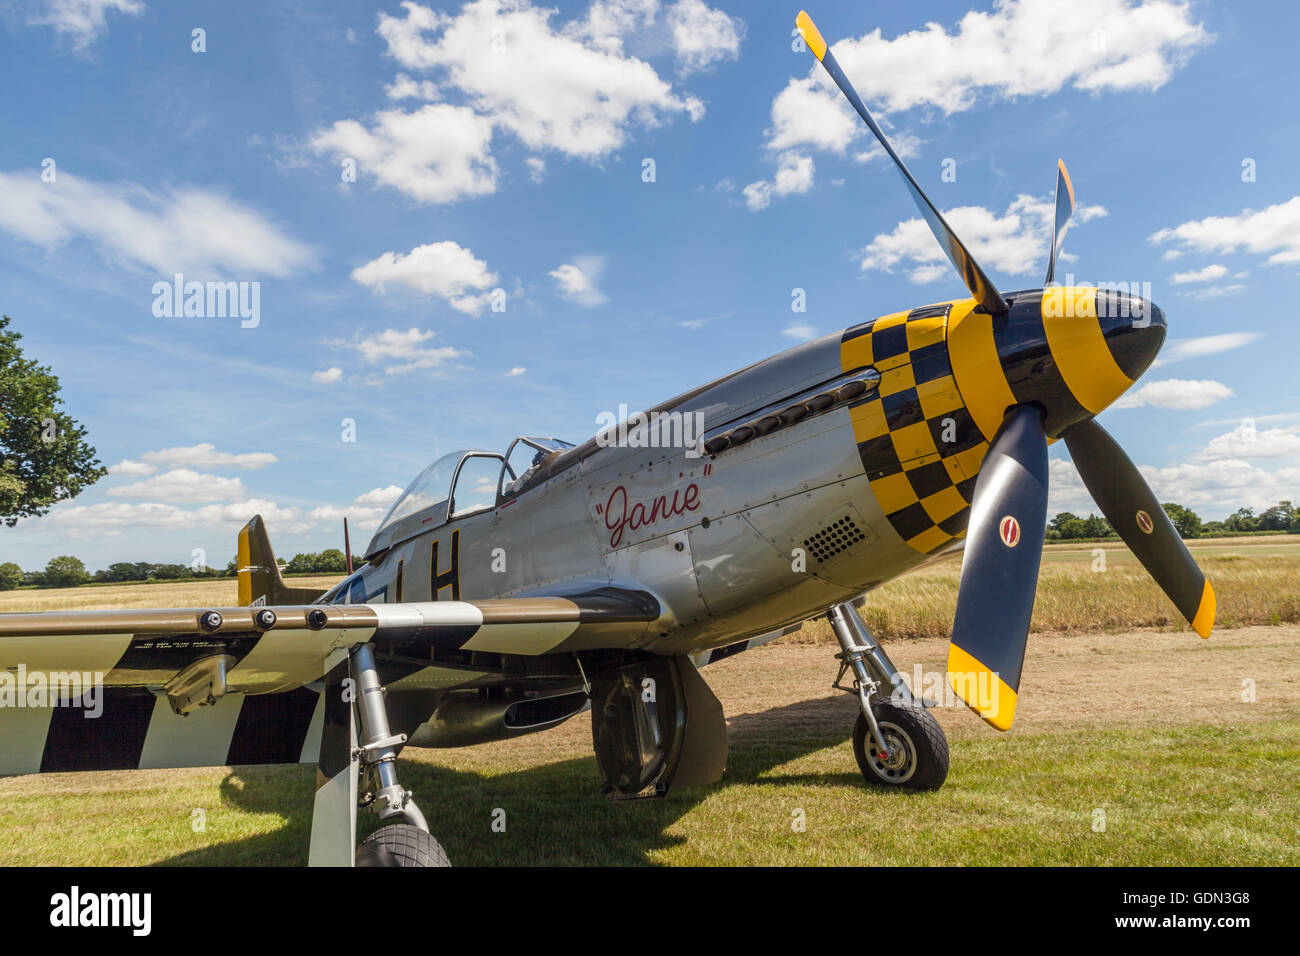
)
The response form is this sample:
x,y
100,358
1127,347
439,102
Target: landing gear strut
x,y
358,751
895,740
404,843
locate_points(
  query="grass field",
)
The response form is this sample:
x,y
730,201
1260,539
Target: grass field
x,y
1149,728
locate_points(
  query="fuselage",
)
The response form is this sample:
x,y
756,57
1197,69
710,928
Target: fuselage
x,y
809,478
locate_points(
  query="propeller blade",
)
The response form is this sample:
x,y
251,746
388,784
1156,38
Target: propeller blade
x,y
1132,509
999,572
978,283
1064,206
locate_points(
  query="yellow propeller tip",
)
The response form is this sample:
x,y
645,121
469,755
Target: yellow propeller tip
x,y
981,689
1203,623
811,35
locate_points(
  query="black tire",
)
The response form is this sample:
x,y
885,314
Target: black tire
x,y
401,844
919,760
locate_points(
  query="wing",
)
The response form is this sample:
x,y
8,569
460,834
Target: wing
x,y
84,690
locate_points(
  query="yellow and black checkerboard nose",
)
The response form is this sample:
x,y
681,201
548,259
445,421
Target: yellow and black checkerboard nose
x,y
922,440
919,445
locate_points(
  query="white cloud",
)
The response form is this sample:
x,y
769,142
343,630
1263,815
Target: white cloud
x,y
379,497
608,22
131,469
1224,486
83,21
183,485
1272,417
183,230
703,36
1212,292
110,516
1213,489
365,512
1247,441
1175,350
794,174
801,332
327,376
578,280
516,371
406,88
562,89
444,269
1274,232
1015,242
1208,274
1103,45
1024,48
399,352
436,154
205,455
811,113
536,168
1176,393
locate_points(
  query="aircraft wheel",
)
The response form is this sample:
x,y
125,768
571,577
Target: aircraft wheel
x,y
918,749
401,844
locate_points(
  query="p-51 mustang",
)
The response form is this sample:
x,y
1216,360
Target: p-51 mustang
x,y
503,594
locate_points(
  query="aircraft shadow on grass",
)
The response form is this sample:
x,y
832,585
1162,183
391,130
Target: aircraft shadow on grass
x,y
553,813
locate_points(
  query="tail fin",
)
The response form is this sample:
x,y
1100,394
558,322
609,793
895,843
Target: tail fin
x,y
260,581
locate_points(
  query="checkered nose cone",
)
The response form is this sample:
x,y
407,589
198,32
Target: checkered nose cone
x,y
920,447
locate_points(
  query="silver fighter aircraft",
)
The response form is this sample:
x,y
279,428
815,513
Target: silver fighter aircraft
x,y
506,592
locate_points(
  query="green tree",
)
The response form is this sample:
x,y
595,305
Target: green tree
x,y
1243,519
10,576
302,563
331,561
1095,526
1186,521
1073,527
44,457
1277,518
65,571
1058,523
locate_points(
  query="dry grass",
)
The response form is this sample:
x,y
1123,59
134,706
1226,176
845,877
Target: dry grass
x,y
1254,584
219,593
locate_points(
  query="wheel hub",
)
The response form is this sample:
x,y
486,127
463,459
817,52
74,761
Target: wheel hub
x,y
900,763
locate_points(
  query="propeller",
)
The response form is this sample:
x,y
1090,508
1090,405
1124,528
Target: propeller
x,y
976,281
1133,511
1061,222
1008,513
999,570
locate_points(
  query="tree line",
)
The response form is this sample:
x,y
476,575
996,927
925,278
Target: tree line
x,y
1282,517
66,571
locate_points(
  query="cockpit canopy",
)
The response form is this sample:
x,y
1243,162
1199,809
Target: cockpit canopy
x,y
461,483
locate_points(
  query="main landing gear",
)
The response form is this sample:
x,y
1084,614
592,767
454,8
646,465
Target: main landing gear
x,y
405,843
896,741
358,749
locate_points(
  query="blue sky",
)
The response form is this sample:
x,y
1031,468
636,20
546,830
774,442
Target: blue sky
x,y
498,146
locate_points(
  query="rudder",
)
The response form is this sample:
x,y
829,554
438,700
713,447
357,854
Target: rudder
x,y
260,581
